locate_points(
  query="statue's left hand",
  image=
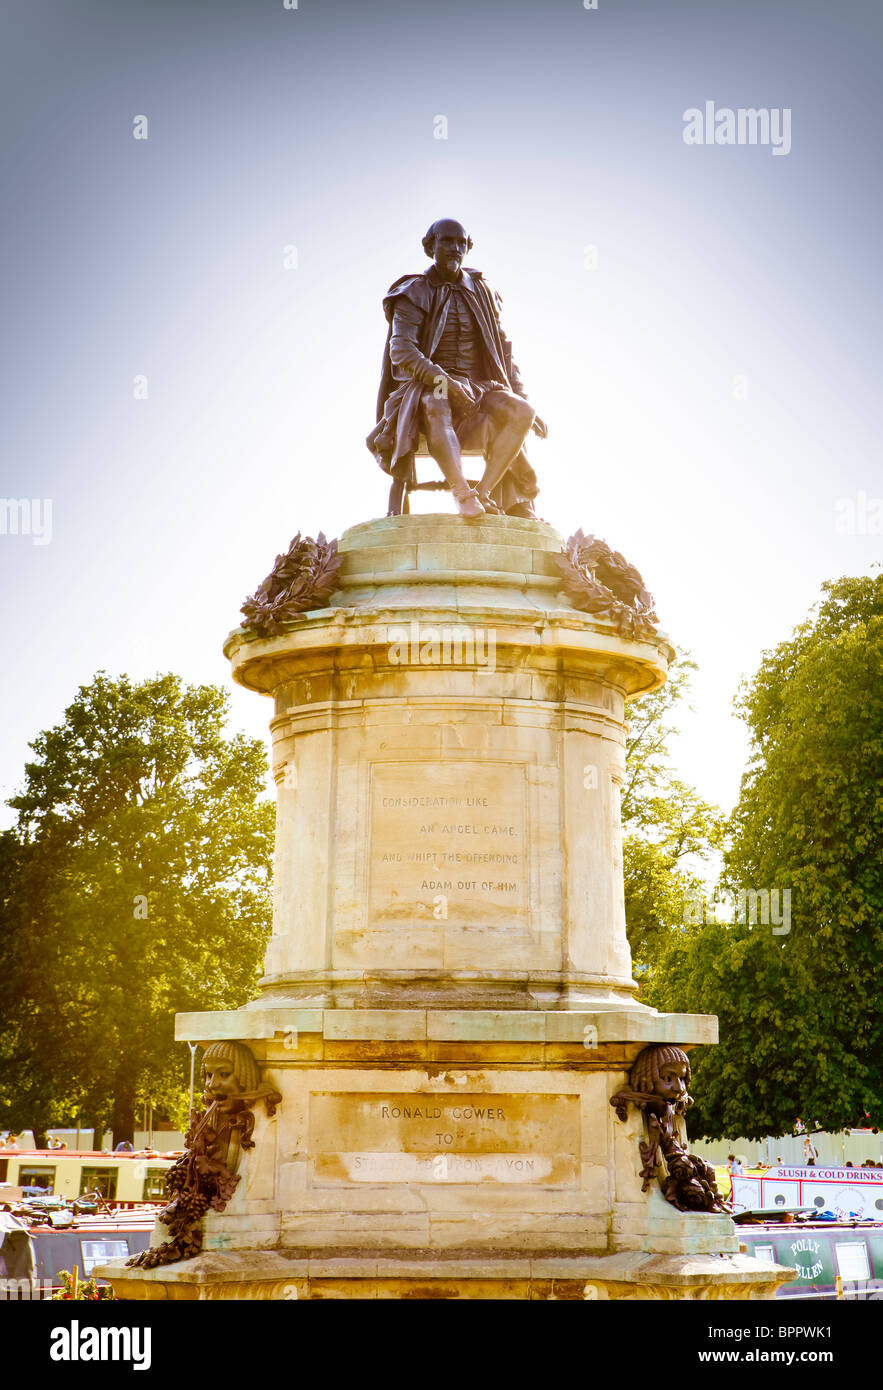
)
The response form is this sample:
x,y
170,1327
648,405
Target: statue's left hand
x,y
539,427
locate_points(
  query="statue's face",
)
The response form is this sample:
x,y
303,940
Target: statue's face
x,y
219,1078
672,1084
450,248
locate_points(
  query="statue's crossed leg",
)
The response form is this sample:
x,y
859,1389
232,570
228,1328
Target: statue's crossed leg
x,y
496,430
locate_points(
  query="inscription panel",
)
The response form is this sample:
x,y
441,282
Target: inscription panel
x,y
448,845
360,1137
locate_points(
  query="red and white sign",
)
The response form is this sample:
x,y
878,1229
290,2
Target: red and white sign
x,y
844,1191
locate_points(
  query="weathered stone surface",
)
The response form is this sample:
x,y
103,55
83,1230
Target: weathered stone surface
x,y
450,761
637,1275
448,1004
270,1275
498,1158
584,1028
467,1138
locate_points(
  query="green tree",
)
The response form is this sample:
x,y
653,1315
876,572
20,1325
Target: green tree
x,y
797,998
136,884
670,835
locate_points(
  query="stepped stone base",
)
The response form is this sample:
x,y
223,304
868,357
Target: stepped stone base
x,y
450,1154
271,1276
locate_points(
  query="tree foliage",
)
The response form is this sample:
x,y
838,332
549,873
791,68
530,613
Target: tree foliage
x,y
136,883
801,1028
669,833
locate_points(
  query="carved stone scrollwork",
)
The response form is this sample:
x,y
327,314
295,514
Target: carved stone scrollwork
x,y
303,578
600,581
658,1083
205,1177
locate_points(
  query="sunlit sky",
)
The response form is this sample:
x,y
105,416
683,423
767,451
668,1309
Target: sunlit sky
x,y
709,373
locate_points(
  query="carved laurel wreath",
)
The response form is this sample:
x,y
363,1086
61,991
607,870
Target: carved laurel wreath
x,y
601,581
304,577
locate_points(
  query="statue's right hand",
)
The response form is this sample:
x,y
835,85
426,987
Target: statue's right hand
x,y
460,395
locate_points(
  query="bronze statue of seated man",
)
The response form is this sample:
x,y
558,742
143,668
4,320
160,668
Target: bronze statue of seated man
x,y
449,379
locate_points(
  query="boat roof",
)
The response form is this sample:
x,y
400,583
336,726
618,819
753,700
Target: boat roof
x,y
754,1222
88,1153
106,1221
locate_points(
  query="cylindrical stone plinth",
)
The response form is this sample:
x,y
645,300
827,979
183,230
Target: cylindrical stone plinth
x,y
448,747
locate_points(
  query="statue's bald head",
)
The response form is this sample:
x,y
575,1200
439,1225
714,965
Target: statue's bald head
x,y
445,228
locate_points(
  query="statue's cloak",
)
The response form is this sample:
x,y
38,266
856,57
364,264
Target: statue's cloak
x,y
395,439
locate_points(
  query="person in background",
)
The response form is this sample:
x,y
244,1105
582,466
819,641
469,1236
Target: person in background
x,y
734,1166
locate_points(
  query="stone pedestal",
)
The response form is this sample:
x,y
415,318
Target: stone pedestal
x,y
447,1005
448,744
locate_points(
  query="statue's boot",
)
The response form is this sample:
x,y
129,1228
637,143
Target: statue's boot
x,y
525,509
490,505
468,503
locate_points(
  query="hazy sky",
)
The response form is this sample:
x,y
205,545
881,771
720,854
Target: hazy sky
x,y
698,324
